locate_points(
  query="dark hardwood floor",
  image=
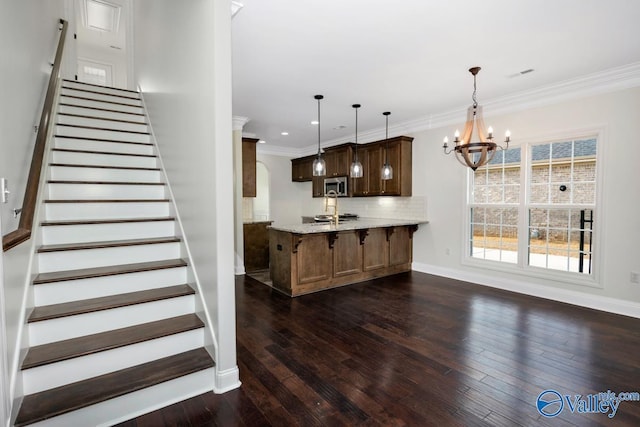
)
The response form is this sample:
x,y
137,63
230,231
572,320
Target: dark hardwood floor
x,y
417,350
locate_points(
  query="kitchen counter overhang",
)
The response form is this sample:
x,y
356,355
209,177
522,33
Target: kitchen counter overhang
x,y
311,257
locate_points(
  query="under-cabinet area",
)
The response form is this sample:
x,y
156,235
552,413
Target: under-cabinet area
x,y
311,257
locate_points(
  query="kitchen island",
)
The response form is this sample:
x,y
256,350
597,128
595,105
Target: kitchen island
x,y
307,258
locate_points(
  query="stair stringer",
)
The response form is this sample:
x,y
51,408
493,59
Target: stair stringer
x,y
15,376
224,380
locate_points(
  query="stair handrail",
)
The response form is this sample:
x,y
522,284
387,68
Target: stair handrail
x,y
25,225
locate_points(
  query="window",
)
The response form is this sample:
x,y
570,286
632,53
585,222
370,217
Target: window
x,y
534,207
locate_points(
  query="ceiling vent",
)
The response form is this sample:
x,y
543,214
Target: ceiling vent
x,y
101,15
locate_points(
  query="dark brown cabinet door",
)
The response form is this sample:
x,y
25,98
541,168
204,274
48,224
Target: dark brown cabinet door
x,y
249,167
318,186
314,258
347,254
399,246
302,169
375,250
391,187
370,184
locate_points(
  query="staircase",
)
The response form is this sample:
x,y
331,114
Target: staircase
x,y
114,332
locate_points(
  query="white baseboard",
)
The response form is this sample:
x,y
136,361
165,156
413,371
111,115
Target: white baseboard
x,y
227,380
597,302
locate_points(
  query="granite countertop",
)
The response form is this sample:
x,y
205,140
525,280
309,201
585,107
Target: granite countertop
x,y
347,225
256,221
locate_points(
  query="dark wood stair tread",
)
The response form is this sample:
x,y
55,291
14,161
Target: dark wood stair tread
x,y
58,351
56,311
99,109
72,165
113,141
112,270
46,404
98,100
111,153
108,119
106,244
105,200
57,181
131,98
100,86
100,128
106,221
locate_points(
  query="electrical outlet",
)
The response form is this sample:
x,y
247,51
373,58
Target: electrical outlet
x,y
635,277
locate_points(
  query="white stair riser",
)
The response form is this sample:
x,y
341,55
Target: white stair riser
x,y
113,147
102,159
106,113
101,97
62,234
105,191
68,371
76,290
134,404
102,134
64,173
102,123
91,211
101,89
88,258
48,331
99,104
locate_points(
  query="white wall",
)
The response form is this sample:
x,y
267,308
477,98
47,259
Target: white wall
x,y
28,40
183,66
442,180
286,198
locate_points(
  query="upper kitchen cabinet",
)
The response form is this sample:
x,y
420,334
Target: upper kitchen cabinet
x,y
399,156
372,157
302,169
249,167
338,160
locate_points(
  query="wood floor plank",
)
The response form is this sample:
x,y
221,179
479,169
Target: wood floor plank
x,y
421,350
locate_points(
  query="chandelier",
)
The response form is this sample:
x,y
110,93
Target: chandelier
x,y
475,154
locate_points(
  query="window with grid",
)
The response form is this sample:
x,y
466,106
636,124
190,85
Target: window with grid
x,y
533,206
494,203
561,205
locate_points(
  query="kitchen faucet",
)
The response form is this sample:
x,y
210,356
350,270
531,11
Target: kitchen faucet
x,y
331,201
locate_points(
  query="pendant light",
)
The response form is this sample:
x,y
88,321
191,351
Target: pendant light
x,y
319,166
356,166
478,153
387,171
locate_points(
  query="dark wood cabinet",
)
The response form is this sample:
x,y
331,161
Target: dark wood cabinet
x,y
256,246
302,169
398,152
304,263
372,156
249,167
338,160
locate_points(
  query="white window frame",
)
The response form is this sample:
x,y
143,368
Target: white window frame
x,y
522,267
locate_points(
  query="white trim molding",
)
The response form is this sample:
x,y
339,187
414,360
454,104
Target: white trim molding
x,y
614,79
597,302
239,122
227,380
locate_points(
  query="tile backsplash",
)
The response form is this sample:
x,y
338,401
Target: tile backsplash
x,y
375,207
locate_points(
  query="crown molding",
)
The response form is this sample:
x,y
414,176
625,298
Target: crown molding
x,y
277,150
611,80
239,122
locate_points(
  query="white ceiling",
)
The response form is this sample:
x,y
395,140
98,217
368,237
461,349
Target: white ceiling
x,y
111,14
410,57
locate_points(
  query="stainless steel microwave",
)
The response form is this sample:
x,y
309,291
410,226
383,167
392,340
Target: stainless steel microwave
x,y
338,184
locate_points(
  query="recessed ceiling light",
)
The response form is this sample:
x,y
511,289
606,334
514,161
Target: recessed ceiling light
x,y
284,133
314,122
262,141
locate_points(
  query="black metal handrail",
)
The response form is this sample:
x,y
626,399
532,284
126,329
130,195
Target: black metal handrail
x,y
25,225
